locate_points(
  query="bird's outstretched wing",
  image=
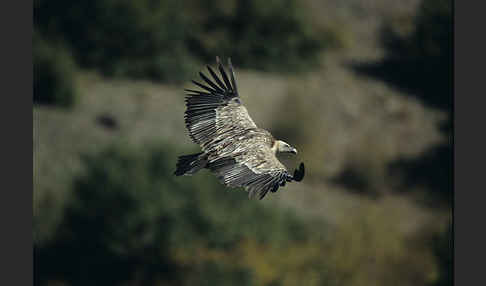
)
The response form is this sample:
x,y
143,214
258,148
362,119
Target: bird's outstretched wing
x,y
257,169
215,112
237,151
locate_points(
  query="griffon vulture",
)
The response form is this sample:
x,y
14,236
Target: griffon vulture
x,y
233,147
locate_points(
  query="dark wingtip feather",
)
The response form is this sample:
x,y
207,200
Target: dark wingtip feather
x,y
212,84
275,188
223,74
299,173
195,92
216,78
232,74
203,86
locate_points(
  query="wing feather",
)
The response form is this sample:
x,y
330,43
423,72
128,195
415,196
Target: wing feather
x,y
232,74
213,85
215,112
257,169
216,78
237,151
224,76
212,91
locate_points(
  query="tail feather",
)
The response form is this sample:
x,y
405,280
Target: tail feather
x,y
190,164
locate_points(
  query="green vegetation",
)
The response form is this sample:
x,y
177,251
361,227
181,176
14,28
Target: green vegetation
x,y
129,213
163,40
108,211
120,38
443,246
419,52
426,36
54,74
272,36
131,221
369,249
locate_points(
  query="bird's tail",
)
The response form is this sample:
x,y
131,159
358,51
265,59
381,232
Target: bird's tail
x,y
190,164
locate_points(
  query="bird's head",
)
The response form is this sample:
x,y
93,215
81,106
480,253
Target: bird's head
x,y
283,147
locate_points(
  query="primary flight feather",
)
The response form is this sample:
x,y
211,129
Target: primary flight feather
x,y
233,147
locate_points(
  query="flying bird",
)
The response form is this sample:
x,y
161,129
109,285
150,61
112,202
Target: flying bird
x,y
233,147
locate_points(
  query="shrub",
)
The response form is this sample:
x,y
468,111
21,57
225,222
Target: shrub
x,y
427,35
270,36
419,60
163,40
121,38
131,222
434,29
131,219
54,74
370,248
419,51
442,246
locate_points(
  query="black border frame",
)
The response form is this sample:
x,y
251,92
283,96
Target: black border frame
x,y
468,242
16,217
16,203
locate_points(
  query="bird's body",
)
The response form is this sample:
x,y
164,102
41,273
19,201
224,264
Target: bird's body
x,y
233,147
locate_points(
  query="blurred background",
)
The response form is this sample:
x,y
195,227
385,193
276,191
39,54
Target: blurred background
x,y
362,88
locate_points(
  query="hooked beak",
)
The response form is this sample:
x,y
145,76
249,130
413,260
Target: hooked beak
x,y
293,151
